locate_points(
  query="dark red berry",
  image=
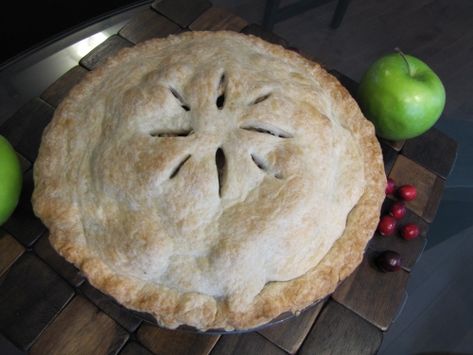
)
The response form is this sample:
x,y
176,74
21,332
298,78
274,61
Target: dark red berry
x,y
407,192
398,210
387,225
388,261
390,186
410,231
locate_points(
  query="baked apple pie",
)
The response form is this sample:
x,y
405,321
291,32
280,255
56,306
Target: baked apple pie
x,y
210,179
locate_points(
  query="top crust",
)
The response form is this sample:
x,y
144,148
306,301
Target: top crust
x,y
211,179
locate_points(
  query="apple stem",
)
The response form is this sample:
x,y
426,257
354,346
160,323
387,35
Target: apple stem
x,y
409,70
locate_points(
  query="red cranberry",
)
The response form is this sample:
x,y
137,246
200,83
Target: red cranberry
x,y
388,261
390,186
387,225
407,192
398,210
410,231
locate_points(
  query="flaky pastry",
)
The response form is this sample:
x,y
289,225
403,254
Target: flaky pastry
x,y
210,179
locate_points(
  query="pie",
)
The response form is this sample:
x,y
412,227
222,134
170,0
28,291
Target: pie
x,y
210,179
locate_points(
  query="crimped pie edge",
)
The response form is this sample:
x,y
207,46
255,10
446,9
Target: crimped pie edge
x,y
172,309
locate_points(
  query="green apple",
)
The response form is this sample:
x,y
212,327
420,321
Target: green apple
x,y
401,95
10,180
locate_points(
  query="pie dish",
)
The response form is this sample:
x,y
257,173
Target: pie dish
x,y
210,179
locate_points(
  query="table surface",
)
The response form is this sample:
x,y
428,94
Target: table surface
x,y
46,305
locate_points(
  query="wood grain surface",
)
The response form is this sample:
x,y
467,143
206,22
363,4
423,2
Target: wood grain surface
x,y
435,197
81,329
24,163
23,224
182,12
396,145
164,341
410,250
23,130
340,331
134,348
248,344
64,268
372,294
58,90
389,157
290,334
99,54
146,25
10,250
218,19
433,150
120,314
31,295
429,186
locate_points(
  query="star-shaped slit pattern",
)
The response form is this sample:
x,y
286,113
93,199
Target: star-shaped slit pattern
x,y
220,158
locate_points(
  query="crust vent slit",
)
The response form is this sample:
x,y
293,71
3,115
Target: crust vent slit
x,y
222,86
261,99
177,168
274,131
262,165
220,161
178,96
161,134
259,163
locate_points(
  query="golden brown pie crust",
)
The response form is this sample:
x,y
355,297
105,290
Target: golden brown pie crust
x,y
63,178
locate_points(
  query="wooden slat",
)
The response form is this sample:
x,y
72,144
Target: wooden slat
x,y
24,163
248,344
290,334
410,250
433,150
340,331
58,90
146,25
259,31
218,19
164,341
389,157
23,130
374,295
31,295
434,200
81,329
182,12
68,271
99,54
134,348
10,250
396,145
23,224
429,186
107,304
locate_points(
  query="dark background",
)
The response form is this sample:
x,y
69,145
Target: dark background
x,y
26,24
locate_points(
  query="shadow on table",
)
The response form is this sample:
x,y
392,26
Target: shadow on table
x,y
454,214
